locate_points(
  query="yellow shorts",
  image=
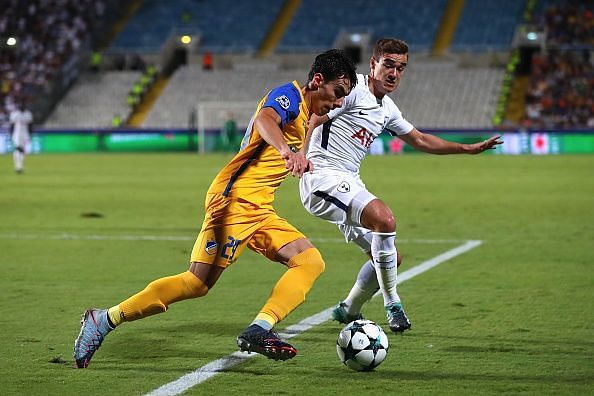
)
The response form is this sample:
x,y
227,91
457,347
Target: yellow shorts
x,y
231,224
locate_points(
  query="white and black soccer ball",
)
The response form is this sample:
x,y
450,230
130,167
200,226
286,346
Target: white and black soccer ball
x,y
362,345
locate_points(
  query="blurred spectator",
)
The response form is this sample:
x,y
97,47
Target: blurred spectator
x,y
137,63
229,133
207,61
561,81
46,33
192,119
116,121
560,92
569,22
119,62
96,61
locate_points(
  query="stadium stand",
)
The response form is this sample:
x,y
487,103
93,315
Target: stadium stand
x,y
471,93
560,93
43,47
191,85
224,25
444,95
228,29
94,100
567,22
487,25
310,31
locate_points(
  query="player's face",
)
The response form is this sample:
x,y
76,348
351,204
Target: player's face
x,y
329,95
387,71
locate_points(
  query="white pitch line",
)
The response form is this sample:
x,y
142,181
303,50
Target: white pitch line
x,y
91,237
213,368
68,237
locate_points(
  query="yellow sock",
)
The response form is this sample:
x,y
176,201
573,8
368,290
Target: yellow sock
x,y
116,316
290,290
157,296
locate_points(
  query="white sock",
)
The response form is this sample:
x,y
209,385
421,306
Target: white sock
x,y
363,289
384,254
18,158
15,159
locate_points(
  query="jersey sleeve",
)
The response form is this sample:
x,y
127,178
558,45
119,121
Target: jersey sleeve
x,y
397,125
285,101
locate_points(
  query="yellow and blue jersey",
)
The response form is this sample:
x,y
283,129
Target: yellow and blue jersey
x,y
257,170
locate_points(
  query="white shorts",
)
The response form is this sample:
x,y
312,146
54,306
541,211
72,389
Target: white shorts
x,y
20,139
339,198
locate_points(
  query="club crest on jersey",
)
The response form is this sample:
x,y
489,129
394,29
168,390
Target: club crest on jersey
x,y
344,187
283,101
211,247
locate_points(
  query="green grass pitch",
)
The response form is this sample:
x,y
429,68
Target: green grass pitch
x,y
514,315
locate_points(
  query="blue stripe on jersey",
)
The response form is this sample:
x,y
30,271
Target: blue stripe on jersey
x,y
326,133
331,199
243,167
285,101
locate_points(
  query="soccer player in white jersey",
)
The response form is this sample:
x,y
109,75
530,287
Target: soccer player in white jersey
x,y
21,119
334,191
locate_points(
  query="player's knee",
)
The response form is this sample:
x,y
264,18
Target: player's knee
x,y
310,260
317,263
384,222
387,224
194,287
20,149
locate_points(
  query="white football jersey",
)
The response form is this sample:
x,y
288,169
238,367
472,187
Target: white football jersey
x,y
21,121
343,141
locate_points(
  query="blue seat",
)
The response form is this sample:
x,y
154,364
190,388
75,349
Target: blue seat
x,y
487,25
310,29
224,25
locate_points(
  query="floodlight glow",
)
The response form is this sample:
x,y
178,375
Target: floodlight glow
x,y
11,41
531,36
355,38
186,39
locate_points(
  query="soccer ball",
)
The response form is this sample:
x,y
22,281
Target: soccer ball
x,y
362,345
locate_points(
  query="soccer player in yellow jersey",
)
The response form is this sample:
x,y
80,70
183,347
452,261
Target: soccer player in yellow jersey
x,y
239,214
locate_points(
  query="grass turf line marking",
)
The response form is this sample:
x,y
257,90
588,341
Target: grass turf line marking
x,y
76,237
213,368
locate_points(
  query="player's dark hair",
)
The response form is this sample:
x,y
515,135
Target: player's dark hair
x,y
389,46
334,64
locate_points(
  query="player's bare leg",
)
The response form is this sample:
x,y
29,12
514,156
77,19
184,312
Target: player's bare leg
x,y
378,217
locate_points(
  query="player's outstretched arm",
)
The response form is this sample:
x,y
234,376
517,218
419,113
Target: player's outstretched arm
x,y
488,144
434,145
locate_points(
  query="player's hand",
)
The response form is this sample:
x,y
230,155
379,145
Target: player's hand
x,y
488,144
297,163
